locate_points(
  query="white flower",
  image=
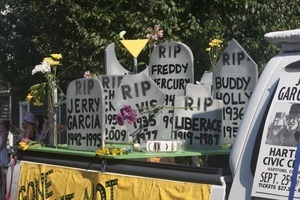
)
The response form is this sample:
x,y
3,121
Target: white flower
x,y
44,67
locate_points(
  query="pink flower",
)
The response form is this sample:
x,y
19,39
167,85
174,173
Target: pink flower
x,y
87,74
154,33
26,140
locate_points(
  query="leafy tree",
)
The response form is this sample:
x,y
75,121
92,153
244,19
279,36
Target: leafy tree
x,y
81,30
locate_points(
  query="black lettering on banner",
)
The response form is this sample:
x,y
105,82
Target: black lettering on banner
x,y
37,191
67,197
111,184
108,184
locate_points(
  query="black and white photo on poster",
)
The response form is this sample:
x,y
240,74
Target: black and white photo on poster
x,y
285,128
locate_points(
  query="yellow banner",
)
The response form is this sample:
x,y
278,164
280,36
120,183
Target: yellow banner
x,y
39,181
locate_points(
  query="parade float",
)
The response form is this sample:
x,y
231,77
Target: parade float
x,y
118,122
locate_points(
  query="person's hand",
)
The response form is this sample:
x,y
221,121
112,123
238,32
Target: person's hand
x,y
62,129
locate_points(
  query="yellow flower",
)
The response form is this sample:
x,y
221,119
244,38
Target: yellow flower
x,y
213,50
37,103
217,41
114,151
23,145
51,61
121,151
99,152
56,56
29,97
106,151
110,151
208,49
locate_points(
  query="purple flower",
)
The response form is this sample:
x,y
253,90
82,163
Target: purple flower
x,y
131,118
119,119
126,113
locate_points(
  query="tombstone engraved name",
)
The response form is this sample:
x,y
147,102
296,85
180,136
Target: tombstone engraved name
x,y
114,132
142,94
198,120
85,114
171,68
234,79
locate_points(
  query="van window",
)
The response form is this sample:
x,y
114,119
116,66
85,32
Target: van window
x,y
259,134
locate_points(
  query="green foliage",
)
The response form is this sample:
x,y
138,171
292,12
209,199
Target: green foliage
x,y
81,30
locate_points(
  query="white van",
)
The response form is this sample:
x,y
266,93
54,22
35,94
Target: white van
x,y
263,155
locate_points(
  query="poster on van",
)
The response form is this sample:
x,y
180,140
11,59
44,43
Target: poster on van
x,y
278,147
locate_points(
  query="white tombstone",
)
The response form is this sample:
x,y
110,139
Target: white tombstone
x,y
198,121
234,79
171,68
85,116
112,64
142,94
114,132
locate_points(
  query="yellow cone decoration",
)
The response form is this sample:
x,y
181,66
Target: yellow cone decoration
x,y
134,46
